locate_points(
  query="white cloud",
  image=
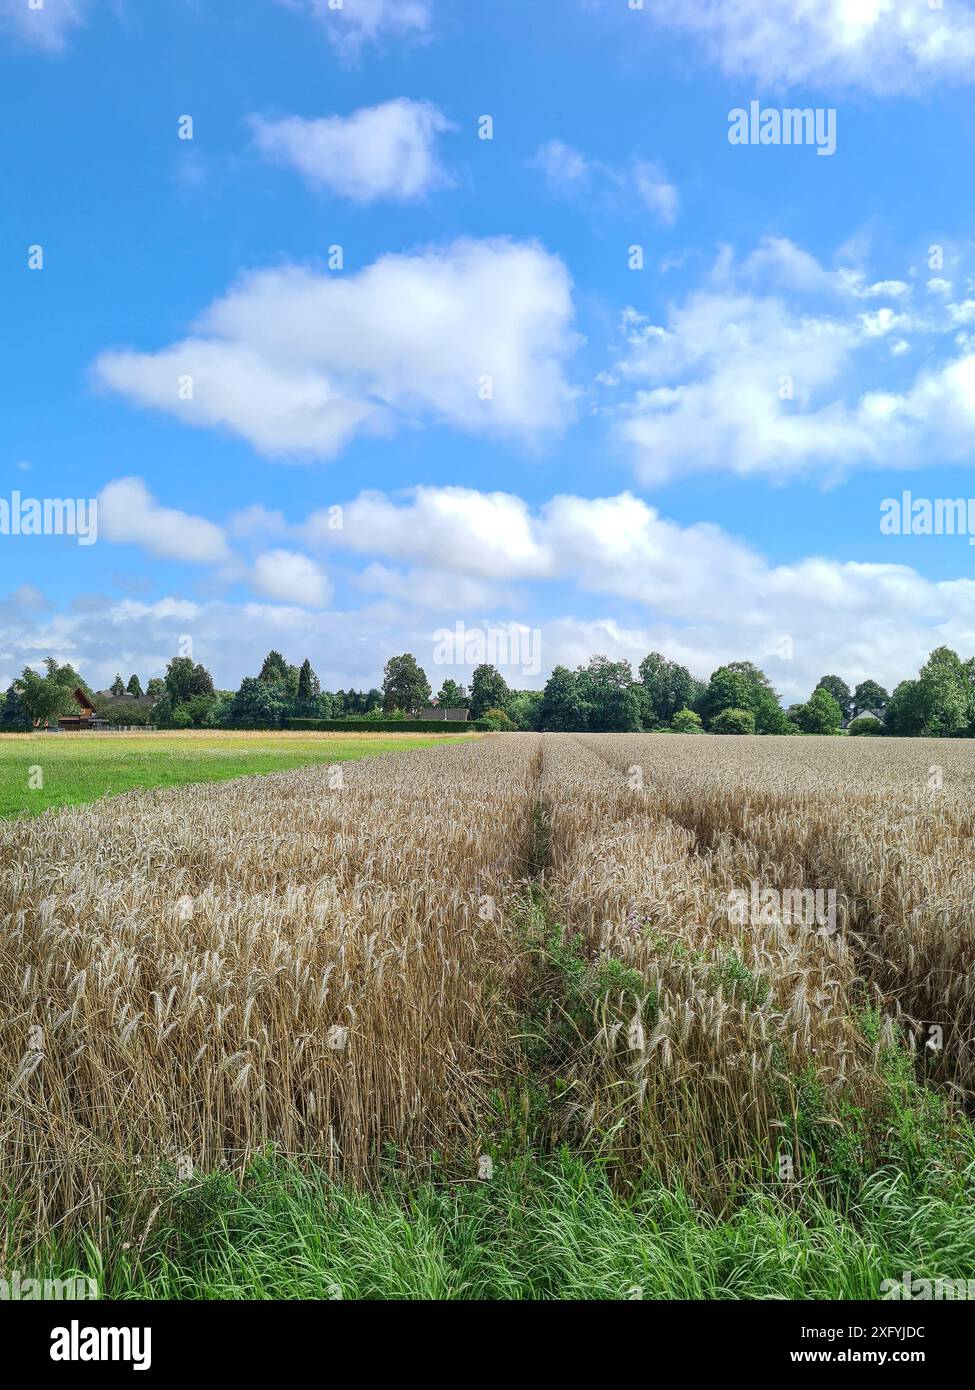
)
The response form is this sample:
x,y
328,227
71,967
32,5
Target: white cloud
x,y
693,592
771,384
129,514
473,335
47,28
292,578
878,45
656,191
431,589
566,169
459,529
386,151
570,174
360,22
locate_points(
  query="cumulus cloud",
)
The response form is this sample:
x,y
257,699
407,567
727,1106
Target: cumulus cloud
x,y
291,577
452,528
360,22
472,335
766,369
569,173
47,28
386,151
129,514
880,46
691,591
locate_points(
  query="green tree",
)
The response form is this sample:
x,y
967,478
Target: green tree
x,y
134,686
308,684
821,715
523,708
67,677
943,691
607,688
184,679
489,690
616,711
118,685
405,685
562,708
685,721
44,697
13,712
742,685
451,696
274,669
869,695
667,688
733,721
727,689
905,715
257,704
939,704
840,691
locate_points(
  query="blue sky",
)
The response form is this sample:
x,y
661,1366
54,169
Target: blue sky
x,y
634,478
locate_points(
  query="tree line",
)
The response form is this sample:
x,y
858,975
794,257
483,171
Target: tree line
x,y
601,696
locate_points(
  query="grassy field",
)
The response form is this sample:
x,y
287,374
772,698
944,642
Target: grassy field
x,y
526,1017
71,769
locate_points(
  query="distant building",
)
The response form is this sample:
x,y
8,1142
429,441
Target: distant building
x,y
108,697
877,714
87,716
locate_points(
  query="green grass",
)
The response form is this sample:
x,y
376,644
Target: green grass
x,y
535,1230
78,768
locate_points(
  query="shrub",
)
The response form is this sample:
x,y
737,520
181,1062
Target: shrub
x,y
685,721
497,719
866,724
364,724
733,721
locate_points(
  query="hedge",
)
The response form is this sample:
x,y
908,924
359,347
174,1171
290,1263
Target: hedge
x,y
385,726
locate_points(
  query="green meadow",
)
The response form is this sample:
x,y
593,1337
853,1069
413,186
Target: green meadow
x,y
38,771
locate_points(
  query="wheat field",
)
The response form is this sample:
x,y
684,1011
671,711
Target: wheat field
x,y
534,939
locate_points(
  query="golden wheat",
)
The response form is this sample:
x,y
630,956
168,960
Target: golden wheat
x,y
334,960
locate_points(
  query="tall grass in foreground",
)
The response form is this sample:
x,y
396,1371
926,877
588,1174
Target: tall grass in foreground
x,y
534,1231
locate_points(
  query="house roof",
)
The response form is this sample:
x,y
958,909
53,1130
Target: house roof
x,y
83,700
877,714
108,697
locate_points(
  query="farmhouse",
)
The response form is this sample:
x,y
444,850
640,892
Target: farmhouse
x,y
87,716
877,714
